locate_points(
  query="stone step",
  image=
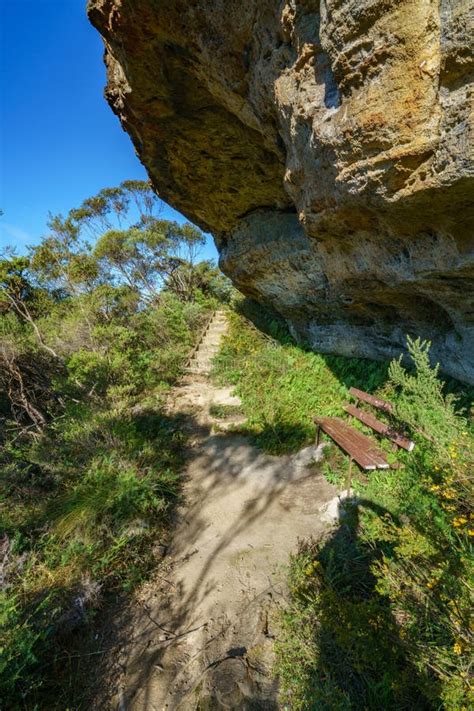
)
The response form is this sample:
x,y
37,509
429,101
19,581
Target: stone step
x,y
214,342
202,361
214,334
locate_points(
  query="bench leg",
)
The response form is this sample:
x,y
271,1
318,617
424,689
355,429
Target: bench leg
x,y
318,435
349,476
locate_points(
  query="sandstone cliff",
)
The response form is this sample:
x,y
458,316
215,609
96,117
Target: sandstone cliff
x,y
326,144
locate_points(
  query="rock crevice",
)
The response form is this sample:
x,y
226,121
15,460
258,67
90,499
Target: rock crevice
x,y
327,145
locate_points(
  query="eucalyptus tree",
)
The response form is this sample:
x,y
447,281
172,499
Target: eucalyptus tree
x,y
151,256
19,294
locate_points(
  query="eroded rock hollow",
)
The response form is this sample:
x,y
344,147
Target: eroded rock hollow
x,y
328,145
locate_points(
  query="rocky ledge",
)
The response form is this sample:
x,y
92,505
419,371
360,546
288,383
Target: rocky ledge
x,y
326,144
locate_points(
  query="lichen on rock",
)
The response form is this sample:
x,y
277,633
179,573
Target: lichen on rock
x,y
328,145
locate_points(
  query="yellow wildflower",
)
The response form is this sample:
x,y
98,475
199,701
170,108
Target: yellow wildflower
x,y
309,570
457,649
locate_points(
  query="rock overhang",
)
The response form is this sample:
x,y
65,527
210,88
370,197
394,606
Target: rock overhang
x,y
328,146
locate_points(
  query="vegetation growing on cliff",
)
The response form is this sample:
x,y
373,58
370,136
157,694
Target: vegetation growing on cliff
x,y
378,614
95,325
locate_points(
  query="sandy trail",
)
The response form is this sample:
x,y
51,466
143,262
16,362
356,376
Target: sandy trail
x,y
202,632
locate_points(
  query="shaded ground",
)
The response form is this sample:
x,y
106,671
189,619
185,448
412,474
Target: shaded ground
x,y
342,646
199,634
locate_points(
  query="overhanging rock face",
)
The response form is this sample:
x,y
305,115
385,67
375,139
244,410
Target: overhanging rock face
x,y
328,145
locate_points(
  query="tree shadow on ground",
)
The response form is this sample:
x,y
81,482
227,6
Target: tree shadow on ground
x,y
359,660
66,614
159,628
368,375
279,437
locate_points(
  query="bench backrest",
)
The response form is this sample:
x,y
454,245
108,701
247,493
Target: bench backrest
x,y
371,400
375,424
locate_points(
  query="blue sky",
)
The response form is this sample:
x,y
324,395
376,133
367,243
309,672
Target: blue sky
x,y
59,141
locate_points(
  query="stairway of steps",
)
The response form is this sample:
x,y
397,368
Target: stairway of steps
x,y
201,362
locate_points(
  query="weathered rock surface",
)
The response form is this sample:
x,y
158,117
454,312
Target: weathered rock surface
x,y
328,145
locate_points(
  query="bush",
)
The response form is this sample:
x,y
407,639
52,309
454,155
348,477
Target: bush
x,y
421,401
87,498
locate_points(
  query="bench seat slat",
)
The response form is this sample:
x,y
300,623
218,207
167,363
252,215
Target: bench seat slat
x,y
356,439
380,427
371,399
357,445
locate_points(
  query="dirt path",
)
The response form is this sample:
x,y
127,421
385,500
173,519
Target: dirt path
x,y
202,634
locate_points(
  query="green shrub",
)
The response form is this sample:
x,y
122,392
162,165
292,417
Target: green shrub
x,y
89,370
88,497
421,401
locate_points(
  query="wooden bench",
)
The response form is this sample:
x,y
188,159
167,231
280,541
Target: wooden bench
x,y
358,446
376,425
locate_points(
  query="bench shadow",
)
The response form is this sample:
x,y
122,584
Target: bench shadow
x,y
280,437
362,661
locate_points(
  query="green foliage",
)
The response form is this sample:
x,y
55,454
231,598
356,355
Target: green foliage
x,y
283,387
379,612
223,412
421,401
92,336
152,255
20,641
13,276
112,493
